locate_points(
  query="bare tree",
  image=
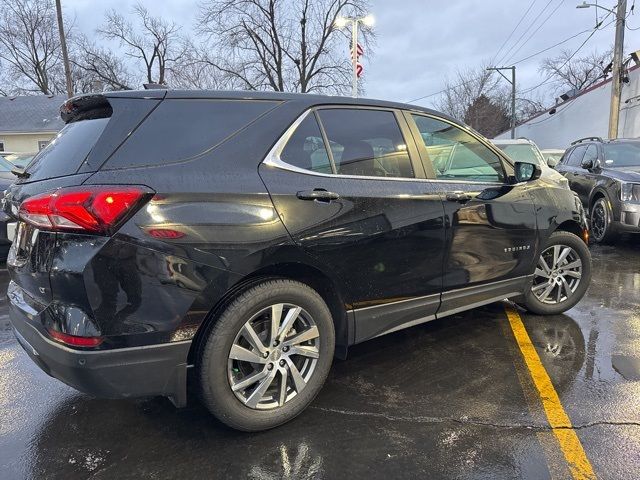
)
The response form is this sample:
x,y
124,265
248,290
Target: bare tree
x,y
569,73
153,41
282,45
466,87
30,46
93,65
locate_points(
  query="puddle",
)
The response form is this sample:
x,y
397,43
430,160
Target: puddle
x,y
628,367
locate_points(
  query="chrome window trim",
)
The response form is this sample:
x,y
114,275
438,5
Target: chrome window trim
x,y
273,160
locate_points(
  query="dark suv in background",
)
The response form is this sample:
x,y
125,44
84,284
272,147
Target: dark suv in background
x,y
606,176
252,236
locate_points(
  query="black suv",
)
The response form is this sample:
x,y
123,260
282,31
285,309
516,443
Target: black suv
x,y
252,236
606,176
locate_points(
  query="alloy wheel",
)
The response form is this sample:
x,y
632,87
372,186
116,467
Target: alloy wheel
x,y
274,356
599,221
557,274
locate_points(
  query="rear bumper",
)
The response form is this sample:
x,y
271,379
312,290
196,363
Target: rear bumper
x,y
118,373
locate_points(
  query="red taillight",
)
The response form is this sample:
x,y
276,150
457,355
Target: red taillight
x,y
74,340
93,208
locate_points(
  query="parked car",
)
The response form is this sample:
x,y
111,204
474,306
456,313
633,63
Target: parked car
x,y
524,150
552,156
7,224
299,225
20,160
606,176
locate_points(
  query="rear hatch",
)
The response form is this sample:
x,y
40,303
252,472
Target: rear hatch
x,y
96,125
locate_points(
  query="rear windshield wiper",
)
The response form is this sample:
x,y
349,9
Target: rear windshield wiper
x,y
20,173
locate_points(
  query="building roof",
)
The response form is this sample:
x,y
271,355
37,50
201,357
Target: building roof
x,y
31,113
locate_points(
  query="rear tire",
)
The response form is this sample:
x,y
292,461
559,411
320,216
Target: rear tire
x,y
601,220
255,373
562,275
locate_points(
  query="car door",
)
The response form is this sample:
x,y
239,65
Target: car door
x,y
571,167
352,193
585,179
490,222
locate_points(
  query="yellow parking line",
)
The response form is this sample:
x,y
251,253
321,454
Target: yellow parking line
x,y
570,445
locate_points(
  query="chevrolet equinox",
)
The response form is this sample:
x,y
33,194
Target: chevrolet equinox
x,y
248,238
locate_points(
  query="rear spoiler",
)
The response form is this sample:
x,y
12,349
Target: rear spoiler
x,y
85,107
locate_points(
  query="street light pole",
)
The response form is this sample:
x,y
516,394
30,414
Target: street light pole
x,y
354,21
65,54
513,94
354,56
616,64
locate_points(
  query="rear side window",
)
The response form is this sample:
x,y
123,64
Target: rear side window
x,y
305,149
66,152
179,130
366,142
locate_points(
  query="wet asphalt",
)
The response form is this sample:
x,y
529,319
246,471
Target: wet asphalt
x,y
448,399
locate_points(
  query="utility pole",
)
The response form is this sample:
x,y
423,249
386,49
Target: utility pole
x,y
513,93
616,71
63,46
616,64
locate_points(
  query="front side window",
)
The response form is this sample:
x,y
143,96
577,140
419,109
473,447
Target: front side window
x,y
575,157
305,148
457,155
591,154
366,142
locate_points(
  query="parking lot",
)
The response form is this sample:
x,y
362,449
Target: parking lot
x,y
452,398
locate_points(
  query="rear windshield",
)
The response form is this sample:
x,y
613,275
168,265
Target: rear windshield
x,y
180,129
66,152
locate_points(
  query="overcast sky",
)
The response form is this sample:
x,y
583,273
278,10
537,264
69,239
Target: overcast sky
x,y
422,42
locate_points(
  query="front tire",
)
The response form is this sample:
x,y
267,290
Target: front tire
x,y
562,275
601,219
267,356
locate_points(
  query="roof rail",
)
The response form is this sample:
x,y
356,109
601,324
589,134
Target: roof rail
x,y
595,139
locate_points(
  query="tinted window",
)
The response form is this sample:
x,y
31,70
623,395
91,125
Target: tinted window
x,y
591,154
366,142
306,149
455,154
66,152
181,129
575,157
622,154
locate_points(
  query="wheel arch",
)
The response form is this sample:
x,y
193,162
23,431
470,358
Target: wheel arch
x,y
301,272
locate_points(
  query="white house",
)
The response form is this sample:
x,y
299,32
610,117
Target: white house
x,y
28,123
585,115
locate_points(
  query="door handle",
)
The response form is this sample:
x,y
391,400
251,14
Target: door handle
x,y
319,194
460,197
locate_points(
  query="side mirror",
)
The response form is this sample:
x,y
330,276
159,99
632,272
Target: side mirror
x,y
587,164
527,172
552,162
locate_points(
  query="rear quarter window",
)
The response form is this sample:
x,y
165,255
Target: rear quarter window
x,y
180,129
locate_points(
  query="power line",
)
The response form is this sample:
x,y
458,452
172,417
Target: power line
x,y
514,30
526,31
548,79
552,46
535,31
